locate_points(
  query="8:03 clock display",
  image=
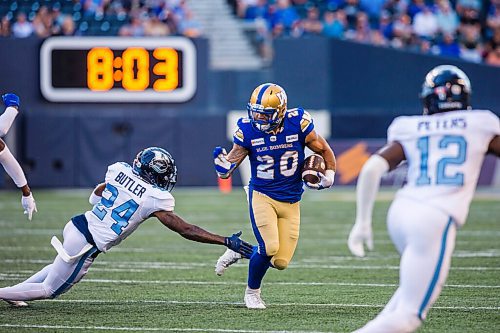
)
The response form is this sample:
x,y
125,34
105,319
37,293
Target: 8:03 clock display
x,y
118,69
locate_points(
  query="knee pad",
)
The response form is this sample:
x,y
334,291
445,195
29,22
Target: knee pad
x,y
280,264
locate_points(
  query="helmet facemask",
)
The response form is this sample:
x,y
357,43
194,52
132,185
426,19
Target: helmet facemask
x,y
267,107
446,88
157,167
263,119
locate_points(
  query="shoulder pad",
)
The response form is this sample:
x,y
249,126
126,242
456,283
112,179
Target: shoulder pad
x,y
486,120
300,117
161,194
398,129
244,124
115,168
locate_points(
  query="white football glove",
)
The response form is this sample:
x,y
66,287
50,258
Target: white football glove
x,y
361,234
222,166
326,180
29,205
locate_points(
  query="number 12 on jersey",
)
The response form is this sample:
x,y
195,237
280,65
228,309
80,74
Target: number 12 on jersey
x,y
442,178
121,214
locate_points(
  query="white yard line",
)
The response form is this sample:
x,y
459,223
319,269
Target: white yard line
x,y
486,253
192,265
14,276
144,329
337,305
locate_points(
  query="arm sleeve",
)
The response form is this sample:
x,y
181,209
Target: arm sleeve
x,y
6,120
368,185
12,167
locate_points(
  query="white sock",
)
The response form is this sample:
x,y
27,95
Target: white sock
x,y
6,120
12,167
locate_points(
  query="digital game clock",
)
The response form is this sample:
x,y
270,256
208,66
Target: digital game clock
x,y
116,69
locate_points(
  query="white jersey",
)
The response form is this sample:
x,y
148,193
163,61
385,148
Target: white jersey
x,y
445,152
126,202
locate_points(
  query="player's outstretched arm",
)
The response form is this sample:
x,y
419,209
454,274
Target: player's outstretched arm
x,y
12,103
197,234
320,146
226,163
367,187
14,170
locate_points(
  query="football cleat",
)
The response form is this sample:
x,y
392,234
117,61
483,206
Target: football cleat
x,y
17,304
253,299
227,259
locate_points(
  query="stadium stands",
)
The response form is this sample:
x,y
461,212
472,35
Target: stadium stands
x,y
466,29
462,29
96,18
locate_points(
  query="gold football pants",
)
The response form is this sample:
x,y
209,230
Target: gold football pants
x,y
276,226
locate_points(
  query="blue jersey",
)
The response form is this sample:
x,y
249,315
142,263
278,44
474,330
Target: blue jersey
x,y
276,159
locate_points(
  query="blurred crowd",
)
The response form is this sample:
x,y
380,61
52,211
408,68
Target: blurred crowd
x,y
466,29
43,18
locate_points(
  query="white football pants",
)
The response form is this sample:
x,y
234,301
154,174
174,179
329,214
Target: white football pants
x,y
58,277
425,238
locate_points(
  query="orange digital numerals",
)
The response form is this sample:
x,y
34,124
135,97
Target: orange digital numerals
x,y
132,69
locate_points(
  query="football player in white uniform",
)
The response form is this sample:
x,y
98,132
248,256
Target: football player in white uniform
x,y
129,196
444,150
8,161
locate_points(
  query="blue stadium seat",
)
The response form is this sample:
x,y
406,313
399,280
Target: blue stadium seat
x,y
35,6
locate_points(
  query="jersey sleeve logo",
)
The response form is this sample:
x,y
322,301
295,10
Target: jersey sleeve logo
x,y
305,121
239,135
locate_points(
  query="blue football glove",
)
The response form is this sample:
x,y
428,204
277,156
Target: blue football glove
x,y
236,244
222,166
11,100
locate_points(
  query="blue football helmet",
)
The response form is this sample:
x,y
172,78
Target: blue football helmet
x,y
267,107
157,167
446,88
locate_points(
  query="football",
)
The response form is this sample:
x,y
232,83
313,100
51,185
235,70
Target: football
x,y
312,165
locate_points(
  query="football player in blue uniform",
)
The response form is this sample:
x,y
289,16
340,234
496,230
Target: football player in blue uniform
x,y
8,161
274,138
128,196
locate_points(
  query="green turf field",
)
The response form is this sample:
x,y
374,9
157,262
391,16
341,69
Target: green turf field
x,y
157,281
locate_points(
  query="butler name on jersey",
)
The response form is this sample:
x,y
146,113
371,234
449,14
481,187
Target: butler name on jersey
x,y
126,202
276,157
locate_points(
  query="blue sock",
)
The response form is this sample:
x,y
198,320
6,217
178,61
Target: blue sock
x,y
257,269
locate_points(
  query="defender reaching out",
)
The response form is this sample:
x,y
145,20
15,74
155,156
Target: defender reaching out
x,y
129,196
